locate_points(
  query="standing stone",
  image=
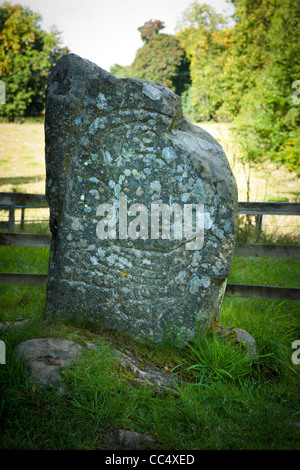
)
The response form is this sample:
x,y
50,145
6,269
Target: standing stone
x,y
126,143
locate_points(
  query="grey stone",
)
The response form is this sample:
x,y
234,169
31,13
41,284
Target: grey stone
x,y
19,322
146,373
296,425
129,439
107,139
240,336
44,358
219,430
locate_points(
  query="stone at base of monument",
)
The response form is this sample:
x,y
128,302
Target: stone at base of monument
x,y
120,159
239,336
44,358
123,438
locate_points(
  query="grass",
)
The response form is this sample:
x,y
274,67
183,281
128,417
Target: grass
x,y
268,183
220,414
264,179
211,359
229,401
23,168
23,164
22,160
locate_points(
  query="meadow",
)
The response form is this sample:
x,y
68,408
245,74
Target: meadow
x,y
229,400
22,164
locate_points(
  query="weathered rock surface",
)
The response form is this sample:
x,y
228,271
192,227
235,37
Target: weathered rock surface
x,y
124,142
129,439
18,323
45,357
147,374
239,336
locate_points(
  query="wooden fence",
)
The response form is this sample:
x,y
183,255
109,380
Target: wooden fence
x,y
12,201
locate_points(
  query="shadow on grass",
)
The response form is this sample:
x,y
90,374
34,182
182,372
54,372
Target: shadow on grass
x,y
21,179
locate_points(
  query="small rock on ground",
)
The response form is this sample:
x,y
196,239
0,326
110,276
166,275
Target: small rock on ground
x,y
241,336
129,439
45,357
18,322
146,373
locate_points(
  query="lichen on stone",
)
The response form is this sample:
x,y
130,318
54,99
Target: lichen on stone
x,y
107,138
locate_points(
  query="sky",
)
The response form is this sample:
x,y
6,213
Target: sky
x,y
105,31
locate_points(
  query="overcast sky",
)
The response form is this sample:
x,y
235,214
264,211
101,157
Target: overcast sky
x,y
105,31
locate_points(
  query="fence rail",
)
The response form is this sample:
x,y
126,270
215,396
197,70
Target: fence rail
x,y
240,249
269,208
232,290
23,199
12,201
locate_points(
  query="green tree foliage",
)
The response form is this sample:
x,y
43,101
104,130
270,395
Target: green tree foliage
x,y
245,74
121,71
26,55
162,59
150,28
263,63
206,41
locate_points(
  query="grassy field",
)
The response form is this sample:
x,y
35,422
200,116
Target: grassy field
x,y
268,183
22,163
22,166
230,401
22,158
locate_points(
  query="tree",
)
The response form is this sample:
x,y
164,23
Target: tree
x,y
26,56
263,63
121,71
150,28
161,59
205,39
246,74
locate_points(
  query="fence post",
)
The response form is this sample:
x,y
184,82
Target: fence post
x,y
11,221
257,229
22,218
